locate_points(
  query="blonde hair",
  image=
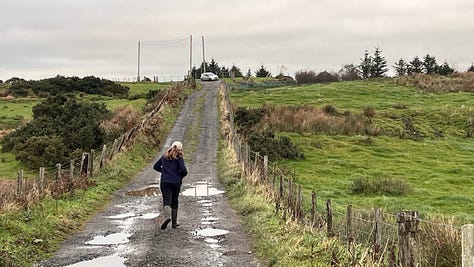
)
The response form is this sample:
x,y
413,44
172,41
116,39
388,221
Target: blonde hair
x,y
173,153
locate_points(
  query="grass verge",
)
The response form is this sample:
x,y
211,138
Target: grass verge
x,y
275,242
34,234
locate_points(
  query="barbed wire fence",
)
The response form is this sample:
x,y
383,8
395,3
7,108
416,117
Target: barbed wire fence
x,y
389,239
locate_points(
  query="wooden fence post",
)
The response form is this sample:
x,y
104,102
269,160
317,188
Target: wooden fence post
x,y
85,164
112,151
280,194
467,237
247,160
290,198
265,168
407,229
330,232
300,204
58,171
313,208
41,181
102,156
255,164
20,183
350,234
377,233
71,170
91,163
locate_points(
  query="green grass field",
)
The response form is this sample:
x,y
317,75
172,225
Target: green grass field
x,y
438,168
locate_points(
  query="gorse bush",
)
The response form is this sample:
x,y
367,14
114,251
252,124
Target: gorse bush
x,y
383,186
246,119
71,124
276,148
62,85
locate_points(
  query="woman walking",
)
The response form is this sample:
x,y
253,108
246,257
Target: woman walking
x,y
172,168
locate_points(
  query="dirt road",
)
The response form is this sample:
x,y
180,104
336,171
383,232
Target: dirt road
x,y
126,232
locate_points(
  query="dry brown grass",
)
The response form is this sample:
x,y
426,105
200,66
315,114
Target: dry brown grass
x,y
457,82
440,243
123,120
31,191
311,119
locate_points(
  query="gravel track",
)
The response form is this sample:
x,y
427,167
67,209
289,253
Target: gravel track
x,y
127,232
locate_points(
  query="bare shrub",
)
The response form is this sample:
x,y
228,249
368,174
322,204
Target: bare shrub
x,y
330,109
369,112
326,77
305,76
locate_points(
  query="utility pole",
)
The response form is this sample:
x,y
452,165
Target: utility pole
x,y
190,55
203,55
138,74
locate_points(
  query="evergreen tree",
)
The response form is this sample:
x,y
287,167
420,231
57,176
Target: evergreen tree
x,y
415,66
471,68
214,68
401,67
225,73
249,74
445,69
262,72
365,65
379,64
236,71
430,65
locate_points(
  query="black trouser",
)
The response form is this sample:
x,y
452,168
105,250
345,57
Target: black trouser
x,y
170,193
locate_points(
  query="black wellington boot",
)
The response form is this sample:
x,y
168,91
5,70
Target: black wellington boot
x,y
166,216
174,218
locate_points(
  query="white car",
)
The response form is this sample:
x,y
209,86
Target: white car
x,y
209,76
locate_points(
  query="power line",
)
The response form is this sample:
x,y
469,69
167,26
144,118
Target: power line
x,y
163,42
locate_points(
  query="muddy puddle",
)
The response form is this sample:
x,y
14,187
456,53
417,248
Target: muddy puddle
x,y
151,191
211,232
129,215
112,239
202,189
102,261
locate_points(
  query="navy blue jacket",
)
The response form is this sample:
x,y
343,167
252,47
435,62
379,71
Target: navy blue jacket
x,y
172,170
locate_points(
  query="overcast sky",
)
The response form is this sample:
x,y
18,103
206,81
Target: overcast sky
x,y
44,38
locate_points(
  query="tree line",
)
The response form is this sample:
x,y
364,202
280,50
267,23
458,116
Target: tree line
x,y
19,87
232,72
375,66
370,66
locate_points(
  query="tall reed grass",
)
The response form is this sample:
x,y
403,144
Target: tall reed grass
x,y
457,82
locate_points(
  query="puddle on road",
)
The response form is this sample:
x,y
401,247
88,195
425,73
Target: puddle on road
x,y
212,242
101,261
201,189
211,232
151,191
122,216
129,215
150,215
209,220
112,239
